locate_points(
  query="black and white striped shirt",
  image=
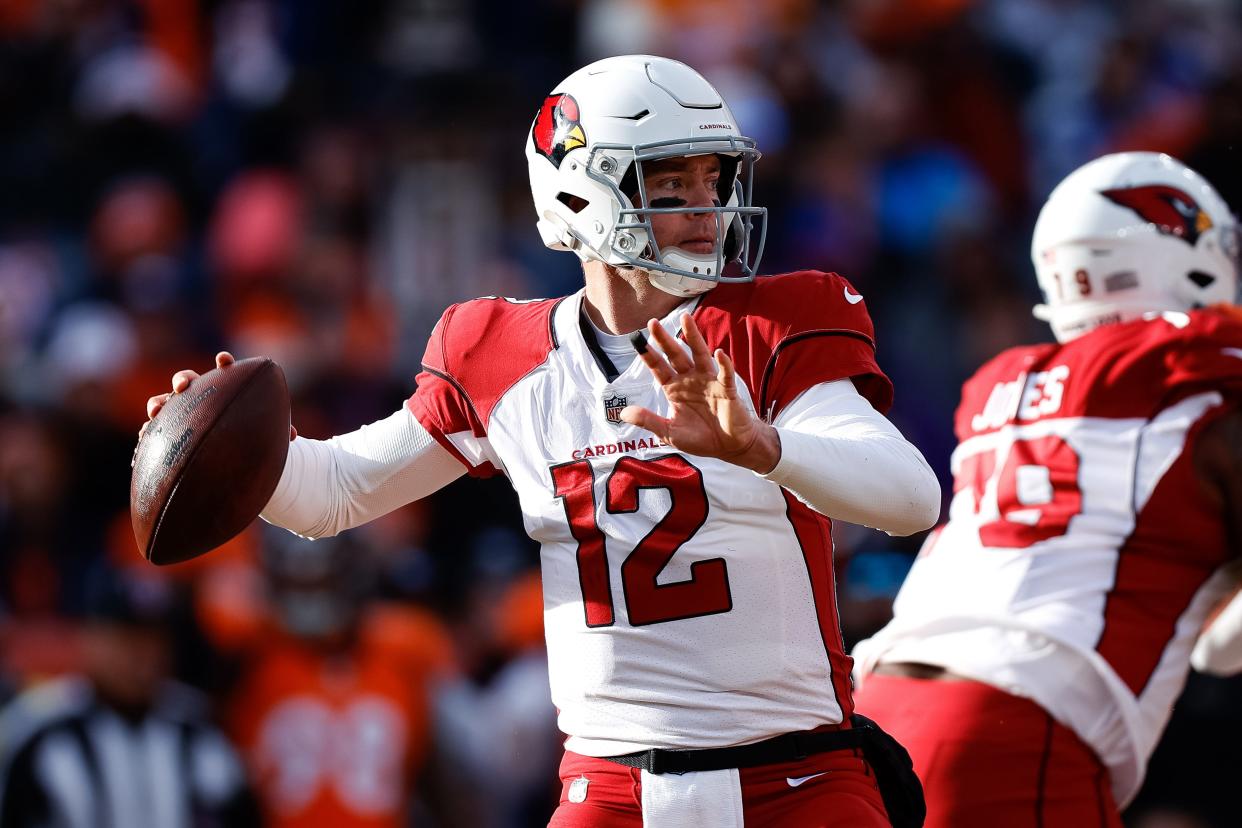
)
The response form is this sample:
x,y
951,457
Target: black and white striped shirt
x,y
67,761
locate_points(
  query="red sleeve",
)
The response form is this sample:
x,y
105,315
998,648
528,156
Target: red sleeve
x,y
1140,368
788,333
476,353
1206,357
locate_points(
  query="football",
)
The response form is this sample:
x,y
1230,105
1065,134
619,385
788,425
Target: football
x,y
210,460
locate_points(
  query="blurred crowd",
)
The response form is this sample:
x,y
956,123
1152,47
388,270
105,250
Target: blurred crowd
x,y
316,181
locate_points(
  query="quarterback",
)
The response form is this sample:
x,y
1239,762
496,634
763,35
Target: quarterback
x,y
1044,632
679,434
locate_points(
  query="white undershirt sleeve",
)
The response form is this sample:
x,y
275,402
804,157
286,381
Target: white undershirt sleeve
x,y
845,460
1218,650
332,485
838,455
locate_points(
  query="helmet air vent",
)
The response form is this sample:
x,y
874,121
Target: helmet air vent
x,y
573,202
1200,278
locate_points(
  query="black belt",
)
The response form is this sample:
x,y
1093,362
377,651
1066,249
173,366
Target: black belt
x,y
788,747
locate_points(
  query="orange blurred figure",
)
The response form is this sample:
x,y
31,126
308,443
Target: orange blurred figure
x,y
332,711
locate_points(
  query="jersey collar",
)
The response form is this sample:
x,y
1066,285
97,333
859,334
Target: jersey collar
x,y
580,347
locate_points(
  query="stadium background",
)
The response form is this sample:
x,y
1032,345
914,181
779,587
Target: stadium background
x,y
316,180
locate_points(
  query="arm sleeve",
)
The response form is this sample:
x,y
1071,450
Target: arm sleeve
x,y
1218,651
847,461
332,485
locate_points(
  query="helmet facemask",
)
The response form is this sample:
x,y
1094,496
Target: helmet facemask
x,y
673,270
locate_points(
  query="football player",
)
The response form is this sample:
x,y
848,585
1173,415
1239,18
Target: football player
x,y
332,708
679,434
1044,632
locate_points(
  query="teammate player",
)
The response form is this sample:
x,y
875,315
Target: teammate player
x,y
681,496
1044,632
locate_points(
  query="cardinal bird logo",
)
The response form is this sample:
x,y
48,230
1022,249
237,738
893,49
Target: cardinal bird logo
x,y
557,128
1172,211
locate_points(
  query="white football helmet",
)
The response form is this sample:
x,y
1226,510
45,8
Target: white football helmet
x,y
585,153
1130,234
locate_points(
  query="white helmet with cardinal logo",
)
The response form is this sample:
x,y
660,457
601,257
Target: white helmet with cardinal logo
x,y
585,154
1130,234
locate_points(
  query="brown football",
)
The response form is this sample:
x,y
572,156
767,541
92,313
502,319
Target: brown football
x,y
210,460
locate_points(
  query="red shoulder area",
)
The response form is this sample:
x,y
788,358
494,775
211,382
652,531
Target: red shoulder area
x,y
1207,354
777,306
1138,368
486,345
1132,369
478,351
788,332
489,337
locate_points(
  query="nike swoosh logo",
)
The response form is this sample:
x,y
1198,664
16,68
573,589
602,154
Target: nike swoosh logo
x,y
793,783
852,298
1233,352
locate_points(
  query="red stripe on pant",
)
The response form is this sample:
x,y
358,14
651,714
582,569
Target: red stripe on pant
x,y
845,796
990,759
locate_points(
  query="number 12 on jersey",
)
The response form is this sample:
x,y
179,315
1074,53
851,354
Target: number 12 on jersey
x,y
705,592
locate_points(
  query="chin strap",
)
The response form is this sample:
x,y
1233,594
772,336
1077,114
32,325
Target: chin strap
x,y
683,286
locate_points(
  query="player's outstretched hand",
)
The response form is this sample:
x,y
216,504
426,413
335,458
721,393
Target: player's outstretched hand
x,y
181,381
708,418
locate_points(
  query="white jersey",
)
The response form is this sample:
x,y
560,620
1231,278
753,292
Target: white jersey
x,y
1081,556
688,602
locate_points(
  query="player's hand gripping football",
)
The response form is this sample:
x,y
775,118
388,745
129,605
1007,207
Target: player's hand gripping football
x,y
708,418
181,381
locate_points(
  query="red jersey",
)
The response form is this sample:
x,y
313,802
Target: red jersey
x,y
1082,554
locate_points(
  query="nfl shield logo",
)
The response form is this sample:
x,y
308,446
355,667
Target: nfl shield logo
x,y
612,408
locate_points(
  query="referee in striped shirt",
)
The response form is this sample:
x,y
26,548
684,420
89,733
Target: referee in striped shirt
x,y
120,746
